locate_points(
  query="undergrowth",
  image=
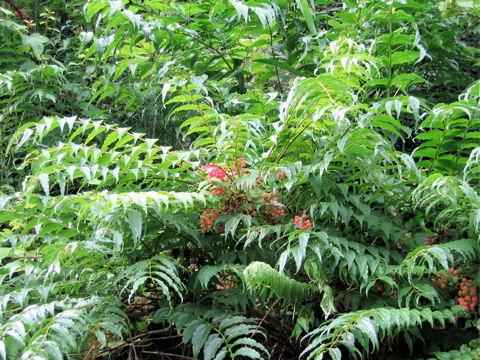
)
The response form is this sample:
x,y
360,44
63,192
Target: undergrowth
x,y
230,180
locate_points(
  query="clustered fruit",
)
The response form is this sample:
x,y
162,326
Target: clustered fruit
x,y
20,13
443,279
207,221
433,240
194,267
219,191
429,241
393,294
227,282
274,212
95,345
468,295
236,200
468,298
215,171
143,302
93,350
302,222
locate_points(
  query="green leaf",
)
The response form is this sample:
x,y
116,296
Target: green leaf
x,y
248,352
43,178
3,352
335,353
199,338
135,221
212,345
221,354
205,274
404,57
367,328
36,42
282,65
307,15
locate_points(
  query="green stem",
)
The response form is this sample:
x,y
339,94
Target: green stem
x,y
390,35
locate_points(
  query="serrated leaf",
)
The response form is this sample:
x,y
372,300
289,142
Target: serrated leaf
x,y
248,352
199,338
335,353
43,178
212,345
135,222
221,354
205,274
3,352
366,326
36,42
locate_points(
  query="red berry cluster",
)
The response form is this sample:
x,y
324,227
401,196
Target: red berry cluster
x,y
208,220
281,175
226,282
277,212
437,237
393,294
237,200
194,267
240,163
216,171
269,197
142,301
468,293
302,222
429,241
19,13
142,306
93,350
274,212
252,211
443,279
219,191
223,173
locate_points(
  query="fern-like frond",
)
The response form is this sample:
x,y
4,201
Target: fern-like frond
x,y
367,328
259,275
220,334
158,274
91,153
27,335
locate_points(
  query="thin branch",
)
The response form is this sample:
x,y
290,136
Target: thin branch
x,y
168,354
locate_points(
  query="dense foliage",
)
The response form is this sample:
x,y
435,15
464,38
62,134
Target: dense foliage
x,y
239,179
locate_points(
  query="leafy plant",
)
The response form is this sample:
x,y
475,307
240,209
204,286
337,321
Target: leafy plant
x,y
229,180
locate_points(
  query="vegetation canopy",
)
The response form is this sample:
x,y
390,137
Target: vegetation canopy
x,y
258,179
